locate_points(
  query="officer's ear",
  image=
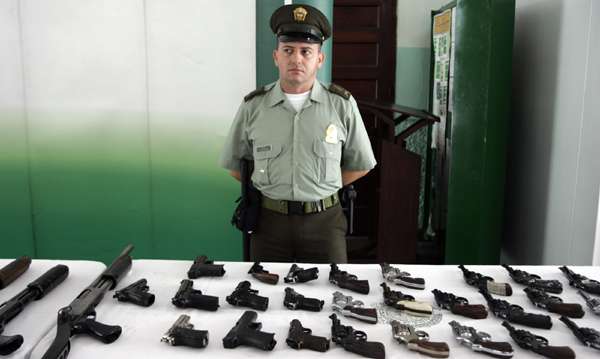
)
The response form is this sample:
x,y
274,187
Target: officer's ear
x,y
321,59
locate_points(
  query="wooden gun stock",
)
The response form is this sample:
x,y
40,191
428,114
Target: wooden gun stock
x,y
13,270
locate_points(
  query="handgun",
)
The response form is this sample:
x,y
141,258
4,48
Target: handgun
x,y
294,300
247,332
354,341
188,297
349,307
345,280
262,275
183,333
301,338
405,303
399,277
553,304
593,303
486,283
588,336
580,281
136,293
244,296
418,340
515,314
534,281
459,305
537,344
301,275
480,341
203,268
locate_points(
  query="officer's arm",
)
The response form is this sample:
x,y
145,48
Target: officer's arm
x,y
237,175
351,176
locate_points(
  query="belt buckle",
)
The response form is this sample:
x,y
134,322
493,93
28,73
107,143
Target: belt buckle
x,y
295,207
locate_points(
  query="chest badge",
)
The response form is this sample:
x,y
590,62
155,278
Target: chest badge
x,y
331,134
262,170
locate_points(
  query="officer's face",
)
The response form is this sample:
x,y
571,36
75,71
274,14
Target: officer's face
x,y
298,63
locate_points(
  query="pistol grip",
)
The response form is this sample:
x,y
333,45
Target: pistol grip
x,y
531,320
556,352
474,311
367,315
433,349
105,333
573,310
368,349
190,337
494,347
418,309
9,344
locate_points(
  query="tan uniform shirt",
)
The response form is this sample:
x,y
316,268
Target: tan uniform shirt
x,y
297,155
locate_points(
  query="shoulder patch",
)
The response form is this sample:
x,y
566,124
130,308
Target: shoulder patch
x,y
254,93
339,90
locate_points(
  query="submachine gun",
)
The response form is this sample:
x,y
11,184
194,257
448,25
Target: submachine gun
x,y
80,316
35,290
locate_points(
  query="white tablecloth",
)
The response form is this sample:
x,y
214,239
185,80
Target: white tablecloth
x,y
39,316
144,327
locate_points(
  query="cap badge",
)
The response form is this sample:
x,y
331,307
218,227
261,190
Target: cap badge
x,y
300,14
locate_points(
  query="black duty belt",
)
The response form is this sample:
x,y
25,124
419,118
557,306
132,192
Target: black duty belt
x,y
297,207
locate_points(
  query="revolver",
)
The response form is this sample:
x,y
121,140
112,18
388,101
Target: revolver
x,y
244,296
301,275
188,297
347,281
486,283
136,293
300,338
593,303
294,300
183,333
247,332
353,308
262,275
354,341
581,282
203,268
515,314
406,303
553,304
401,278
537,344
534,281
588,336
418,340
480,341
459,305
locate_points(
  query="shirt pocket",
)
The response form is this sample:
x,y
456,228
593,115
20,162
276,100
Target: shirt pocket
x,y
328,166
266,168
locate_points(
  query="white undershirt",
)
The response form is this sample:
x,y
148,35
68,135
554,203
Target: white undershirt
x,y
297,100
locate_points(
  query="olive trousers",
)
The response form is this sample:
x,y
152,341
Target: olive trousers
x,y
309,238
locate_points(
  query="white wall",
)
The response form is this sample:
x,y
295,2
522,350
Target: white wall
x,y
553,174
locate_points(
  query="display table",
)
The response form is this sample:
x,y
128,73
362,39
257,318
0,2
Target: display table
x,y
143,327
39,316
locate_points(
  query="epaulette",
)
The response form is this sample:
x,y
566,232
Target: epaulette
x,y
254,93
339,90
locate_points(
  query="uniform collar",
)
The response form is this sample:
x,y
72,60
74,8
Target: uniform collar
x,y
317,93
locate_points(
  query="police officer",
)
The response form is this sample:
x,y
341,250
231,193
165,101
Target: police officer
x,y
306,140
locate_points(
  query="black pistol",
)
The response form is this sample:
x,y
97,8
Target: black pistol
x,y
182,333
459,305
486,283
301,338
136,293
188,297
588,336
80,316
355,341
301,275
515,314
534,281
580,281
247,332
537,344
244,296
553,304
294,300
262,275
203,268
347,281
405,303
35,290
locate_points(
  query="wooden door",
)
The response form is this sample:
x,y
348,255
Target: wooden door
x,y
364,63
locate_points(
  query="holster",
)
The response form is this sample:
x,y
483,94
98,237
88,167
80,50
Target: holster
x,y
245,216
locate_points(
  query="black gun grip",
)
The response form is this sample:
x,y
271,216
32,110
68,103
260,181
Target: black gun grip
x,y
518,316
190,337
105,333
368,349
9,344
